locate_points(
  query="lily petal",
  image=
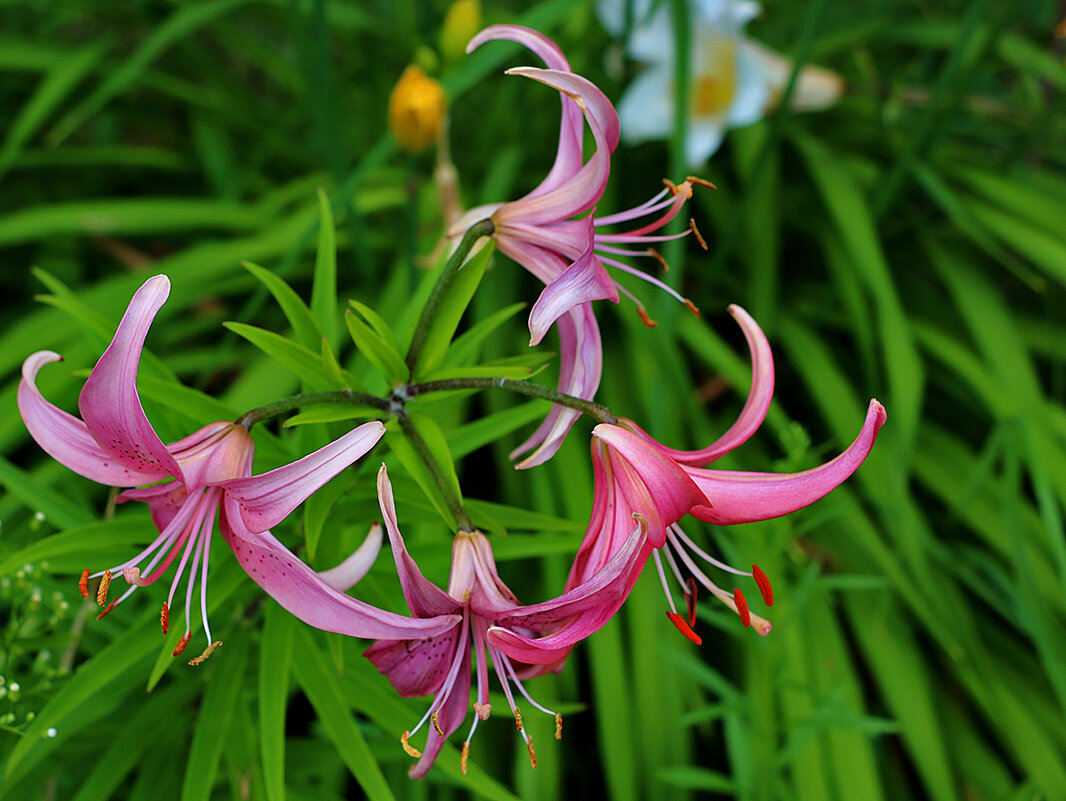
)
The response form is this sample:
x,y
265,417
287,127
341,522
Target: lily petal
x,y
164,500
66,438
755,407
740,497
348,573
450,715
268,499
302,592
416,667
109,402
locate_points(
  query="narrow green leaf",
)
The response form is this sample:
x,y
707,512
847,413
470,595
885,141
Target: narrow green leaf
x,y
414,465
317,509
319,683
324,287
467,346
275,664
55,506
386,358
304,363
468,437
295,310
84,544
377,322
332,413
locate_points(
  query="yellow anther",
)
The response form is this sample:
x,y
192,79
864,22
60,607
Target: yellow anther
x,y
436,725
410,749
558,726
517,718
105,585
464,757
532,753
199,660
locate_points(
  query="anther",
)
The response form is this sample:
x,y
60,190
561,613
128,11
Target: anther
x,y
407,747
436,725
532,753
692,179
164,618
659,258
670,185
692,307
645,318
105,585
181,644
464,757
558,726
764,585
696,233
742,607
199,660
683,626
517,718
83,583
107,609
482,710
691,595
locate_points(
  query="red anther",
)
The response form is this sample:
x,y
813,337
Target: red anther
x,y
164,617
107,609
182,643
684,627
691,594
659,258
692,307
645,318
700,181
764,585
742,607
83,583
696,233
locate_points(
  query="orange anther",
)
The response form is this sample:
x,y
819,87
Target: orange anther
x,y
464,757
436,725
199,660
700,181
410,749
659,258
182,643
517,718
742,607
164,617
558,726
764,585
645,318
101,591
696,233
670,185
83,583
684,627
691,595
532,753
692,307
106,609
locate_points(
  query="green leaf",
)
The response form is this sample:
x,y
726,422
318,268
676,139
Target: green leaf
x,y
467,346
55,506
451,309
296,312
377,322
383,356
304,363
317,509
332,413
319,682
216,713
412,462
275,664
83,545
468,437
324,287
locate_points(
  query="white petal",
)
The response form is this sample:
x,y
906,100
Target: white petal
x,y
646,110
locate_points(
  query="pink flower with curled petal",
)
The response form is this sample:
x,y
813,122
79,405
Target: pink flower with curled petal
x,y
113,443
635,475
485,611
543,232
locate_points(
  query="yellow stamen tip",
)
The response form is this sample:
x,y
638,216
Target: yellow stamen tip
x,y
436,725
558,726
199,660
407,747
517,718
464,757
105,585
532,753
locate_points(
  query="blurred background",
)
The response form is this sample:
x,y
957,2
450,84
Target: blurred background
x,y
895,221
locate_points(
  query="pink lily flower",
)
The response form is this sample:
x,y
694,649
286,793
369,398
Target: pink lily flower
x,y
543,233
210,470
634,474
485,614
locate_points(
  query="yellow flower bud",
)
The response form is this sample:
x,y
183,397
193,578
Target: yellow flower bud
x,y
461,22
416,109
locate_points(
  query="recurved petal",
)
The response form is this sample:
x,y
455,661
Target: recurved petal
x,y
66,438
583,281
739,497
424,598
415,667
268,499
755,407
450,715
109,402
347,574
302,592
576,614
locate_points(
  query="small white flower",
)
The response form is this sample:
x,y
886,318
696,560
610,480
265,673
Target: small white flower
x,y
733,81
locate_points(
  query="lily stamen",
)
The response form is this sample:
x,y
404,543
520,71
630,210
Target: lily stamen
x,y
101,591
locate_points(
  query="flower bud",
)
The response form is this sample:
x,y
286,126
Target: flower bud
x,y
461,22
416,109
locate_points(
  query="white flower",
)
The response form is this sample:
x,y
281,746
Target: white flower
x,y
733,81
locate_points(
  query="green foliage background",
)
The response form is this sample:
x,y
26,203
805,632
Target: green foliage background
x,y
909,245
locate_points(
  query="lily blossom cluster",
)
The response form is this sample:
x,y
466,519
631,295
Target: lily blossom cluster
x,y
546,234
194,480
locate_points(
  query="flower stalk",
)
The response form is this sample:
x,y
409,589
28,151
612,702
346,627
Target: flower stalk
x,y
279,407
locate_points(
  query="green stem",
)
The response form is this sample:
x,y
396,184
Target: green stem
x,y
451,499
258,415
601,413
472,235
